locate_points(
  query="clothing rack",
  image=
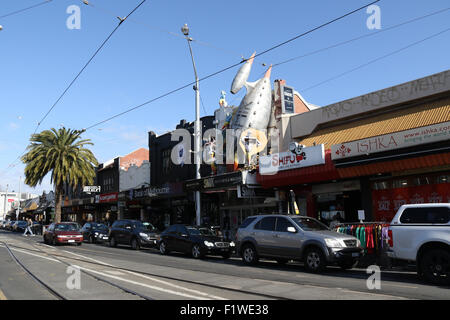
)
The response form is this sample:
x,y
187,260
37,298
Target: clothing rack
x,y
361,223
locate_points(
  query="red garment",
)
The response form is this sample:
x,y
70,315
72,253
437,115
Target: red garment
x,y
369,239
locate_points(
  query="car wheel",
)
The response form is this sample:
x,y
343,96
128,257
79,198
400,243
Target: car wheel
x,y
54,242
197,251
163,248
314,260
435,266
282,261
113,242
135,244
249,254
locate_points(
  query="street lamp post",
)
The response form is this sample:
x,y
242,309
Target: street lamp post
x,y
197,131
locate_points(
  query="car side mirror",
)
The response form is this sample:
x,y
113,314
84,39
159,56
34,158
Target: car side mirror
x,y
292,230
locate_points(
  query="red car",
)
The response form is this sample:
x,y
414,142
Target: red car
x,y
63,232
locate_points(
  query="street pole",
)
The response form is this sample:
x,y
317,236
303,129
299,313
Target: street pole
x,y
197,130
4,203
18,208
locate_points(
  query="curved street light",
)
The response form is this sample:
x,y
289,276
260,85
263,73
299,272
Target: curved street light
x,y
197,132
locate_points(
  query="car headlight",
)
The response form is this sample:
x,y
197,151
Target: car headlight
x,y
96,233
208,244
232,244
144,235
333,243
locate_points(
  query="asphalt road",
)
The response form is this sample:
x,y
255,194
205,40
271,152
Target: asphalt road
x,y
122,273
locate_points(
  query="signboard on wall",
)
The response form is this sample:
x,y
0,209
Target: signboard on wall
x,y
387,202
287,99
388,142
306,157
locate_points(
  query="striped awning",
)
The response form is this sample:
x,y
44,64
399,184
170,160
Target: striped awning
x,y
395,121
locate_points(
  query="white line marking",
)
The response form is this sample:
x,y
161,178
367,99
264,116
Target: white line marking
x,y
144,285
96,261
374,294
36,255
177,286
149,278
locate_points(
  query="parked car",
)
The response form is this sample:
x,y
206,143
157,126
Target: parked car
x,y
95,232
197,241
20,226
291,237
3,224
420,233
63,232
134,233
10,224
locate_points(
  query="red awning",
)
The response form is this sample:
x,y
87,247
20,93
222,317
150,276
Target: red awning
x,y
311,174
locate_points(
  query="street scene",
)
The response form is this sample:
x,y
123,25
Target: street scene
x,y
238,153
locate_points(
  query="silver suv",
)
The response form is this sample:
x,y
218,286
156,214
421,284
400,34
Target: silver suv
x,y
291,237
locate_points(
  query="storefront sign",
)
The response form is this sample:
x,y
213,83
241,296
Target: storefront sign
x,y
108,197
90,189
387,142
215,182
304,157
246,192
387,202
287,99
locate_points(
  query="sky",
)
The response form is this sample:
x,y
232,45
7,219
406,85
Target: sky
x,y
148,56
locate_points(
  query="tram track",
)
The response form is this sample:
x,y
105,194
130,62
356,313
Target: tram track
x,y
142,273
51,290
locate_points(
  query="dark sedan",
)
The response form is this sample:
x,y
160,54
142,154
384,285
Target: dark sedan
x,y
95,232
197,241
64,232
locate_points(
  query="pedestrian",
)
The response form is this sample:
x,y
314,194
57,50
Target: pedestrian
x,y
28,228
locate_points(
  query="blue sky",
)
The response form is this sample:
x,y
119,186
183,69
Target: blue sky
x,y
148,57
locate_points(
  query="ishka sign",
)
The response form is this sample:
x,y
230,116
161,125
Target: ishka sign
x,y
306,157
387,142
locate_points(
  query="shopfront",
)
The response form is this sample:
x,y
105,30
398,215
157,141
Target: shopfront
x,y
107,207
227,199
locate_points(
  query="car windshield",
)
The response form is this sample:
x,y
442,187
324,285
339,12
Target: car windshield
x,y
67,227
200,231
309,224
100,226
145,226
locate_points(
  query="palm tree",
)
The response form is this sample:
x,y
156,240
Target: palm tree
x,y
61,152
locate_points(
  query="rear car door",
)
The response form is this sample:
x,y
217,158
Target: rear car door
x,y
288,243
263,233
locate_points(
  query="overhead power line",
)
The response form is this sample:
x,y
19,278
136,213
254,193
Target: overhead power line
x,y
146,25
229,67
375,60
121,20
25,9
361,37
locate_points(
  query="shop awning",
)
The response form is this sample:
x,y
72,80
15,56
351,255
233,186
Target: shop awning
x,y
395,121
428,161
325,172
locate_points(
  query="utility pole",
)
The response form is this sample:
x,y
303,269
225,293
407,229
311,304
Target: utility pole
x,y
197,130
4,203
18,207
